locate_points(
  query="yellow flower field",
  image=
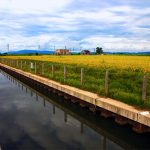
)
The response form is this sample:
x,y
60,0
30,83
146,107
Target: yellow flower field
x,y
121,62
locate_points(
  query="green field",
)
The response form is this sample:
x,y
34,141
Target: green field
x,y
125,83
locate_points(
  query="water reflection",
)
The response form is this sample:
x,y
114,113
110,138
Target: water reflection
x,y
30,120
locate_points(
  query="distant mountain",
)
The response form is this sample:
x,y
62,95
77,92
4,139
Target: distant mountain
x,y
143,52
31,52
130,53
75,52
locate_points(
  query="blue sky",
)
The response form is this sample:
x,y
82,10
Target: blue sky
x,y
116,25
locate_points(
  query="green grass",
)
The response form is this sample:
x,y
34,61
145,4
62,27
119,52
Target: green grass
x,y
124,85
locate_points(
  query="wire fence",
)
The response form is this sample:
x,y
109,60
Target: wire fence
x,y
131,87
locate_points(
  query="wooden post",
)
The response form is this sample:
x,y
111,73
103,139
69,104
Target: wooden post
x,y
144,87
30,65
106,82
82,73
42,68
21,64
35,67
65,73
52,71
25,63
17,63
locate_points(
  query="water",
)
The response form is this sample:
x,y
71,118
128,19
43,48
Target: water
x,y
32,121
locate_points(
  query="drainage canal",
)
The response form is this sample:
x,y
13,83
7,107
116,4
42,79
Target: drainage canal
x,y
42,120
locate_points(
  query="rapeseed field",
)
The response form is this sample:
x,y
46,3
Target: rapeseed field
x,y
125,73
106,61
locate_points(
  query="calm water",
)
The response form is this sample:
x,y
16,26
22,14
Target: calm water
x,y
32,121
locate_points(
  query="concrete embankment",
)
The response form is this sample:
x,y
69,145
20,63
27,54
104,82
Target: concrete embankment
x,y
123,113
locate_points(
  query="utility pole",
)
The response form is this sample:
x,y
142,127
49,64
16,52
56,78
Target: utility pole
x,y
94,50
39,47
54,49
8,48
80,48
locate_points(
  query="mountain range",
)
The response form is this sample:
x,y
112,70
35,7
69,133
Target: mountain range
x,y
31,52
52,52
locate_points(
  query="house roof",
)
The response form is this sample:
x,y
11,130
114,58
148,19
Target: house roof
x,y
85,51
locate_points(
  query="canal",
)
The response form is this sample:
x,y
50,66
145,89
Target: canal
x,y
30,120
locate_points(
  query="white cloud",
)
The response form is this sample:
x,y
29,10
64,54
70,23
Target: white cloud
x,y
45,41
33,6
110,43
44,22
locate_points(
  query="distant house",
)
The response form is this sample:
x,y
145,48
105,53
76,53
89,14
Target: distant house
x,y
62,52
85,52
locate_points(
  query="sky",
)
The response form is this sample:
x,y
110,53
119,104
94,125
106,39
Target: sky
x,y
114,25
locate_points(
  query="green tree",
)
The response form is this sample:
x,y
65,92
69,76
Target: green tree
x,y
36,53
99,50
4,54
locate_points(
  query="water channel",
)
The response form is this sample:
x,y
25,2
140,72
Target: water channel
x,y
30,120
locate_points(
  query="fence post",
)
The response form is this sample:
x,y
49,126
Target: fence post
x,y
52,71
31,66
144,87
35,67
82,72
21,64
106,82
42,68
65,73
25,63
17,63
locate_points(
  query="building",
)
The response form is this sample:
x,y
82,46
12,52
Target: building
x,y
85,52
62,52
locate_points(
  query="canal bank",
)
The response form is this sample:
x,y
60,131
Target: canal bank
x,y
123,113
